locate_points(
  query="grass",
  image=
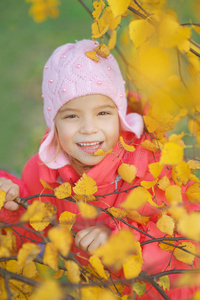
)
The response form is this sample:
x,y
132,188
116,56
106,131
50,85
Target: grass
x,y
25,47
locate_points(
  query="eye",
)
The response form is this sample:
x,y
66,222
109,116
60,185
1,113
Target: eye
x,y
103,113
70,117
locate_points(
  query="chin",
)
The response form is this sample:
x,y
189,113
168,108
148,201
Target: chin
x,y
92,162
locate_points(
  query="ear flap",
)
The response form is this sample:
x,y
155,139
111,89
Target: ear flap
x,y
50,154
132,122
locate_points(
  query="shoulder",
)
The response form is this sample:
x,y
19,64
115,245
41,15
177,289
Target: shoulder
x,y
35,171
31,166
31,174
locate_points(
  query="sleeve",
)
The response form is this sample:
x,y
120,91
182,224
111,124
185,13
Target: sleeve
x,y
10,216
22,233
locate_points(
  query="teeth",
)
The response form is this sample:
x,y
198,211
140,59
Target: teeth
x,y
96,145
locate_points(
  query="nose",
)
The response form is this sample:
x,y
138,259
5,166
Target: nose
x,y
88,126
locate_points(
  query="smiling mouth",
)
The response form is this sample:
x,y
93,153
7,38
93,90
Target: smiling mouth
x,y
92,145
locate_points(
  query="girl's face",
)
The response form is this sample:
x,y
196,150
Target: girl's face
x,y
84,125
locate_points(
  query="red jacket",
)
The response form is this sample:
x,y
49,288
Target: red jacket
x,y
105,174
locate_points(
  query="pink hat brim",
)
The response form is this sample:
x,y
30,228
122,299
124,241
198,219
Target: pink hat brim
x,y
132,122
48,155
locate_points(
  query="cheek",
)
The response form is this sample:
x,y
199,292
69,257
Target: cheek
x,y
114,130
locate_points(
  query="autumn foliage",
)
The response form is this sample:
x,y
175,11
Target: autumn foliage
x,y
160,60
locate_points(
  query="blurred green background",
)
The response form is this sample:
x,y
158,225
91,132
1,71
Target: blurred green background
x,y
25,47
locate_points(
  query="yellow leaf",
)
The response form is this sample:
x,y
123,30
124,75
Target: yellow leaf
x,y
166,224
164,282
110,19
182,172
99,28
98,267
194,178
197,294
73,272
196,28
154,64
67,219
132,266
102,50
45,185
137,198
4,252
177,212
194,126
126,146
27,254
150,123
8,239
96,293
85,186
11,266
171,154
2,198
193,192
92,55
172,34
152,203
91,198
87,211
30,270
137,217
183,256
58,274
51,256
100,152
39,214
173,81
150,146
186,222
173,194
194,164
118,7
112,40
80,197
155,169
139,31
117,212
127,172
61,238
175,138
48,290
117,249
167,247
163,183
98,6
148,184
63,190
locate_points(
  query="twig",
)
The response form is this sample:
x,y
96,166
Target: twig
x,y
11,275
150,278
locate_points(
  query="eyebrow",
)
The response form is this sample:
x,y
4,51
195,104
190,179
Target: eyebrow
x,y
77,110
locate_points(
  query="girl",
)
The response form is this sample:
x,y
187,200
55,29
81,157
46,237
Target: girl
x,y
85,109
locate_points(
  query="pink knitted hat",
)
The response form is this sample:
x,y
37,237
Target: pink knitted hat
x,y
69,74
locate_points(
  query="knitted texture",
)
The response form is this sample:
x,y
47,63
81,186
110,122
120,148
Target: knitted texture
x,y
69,74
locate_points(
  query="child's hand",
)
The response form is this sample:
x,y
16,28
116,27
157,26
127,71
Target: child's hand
x,y
92,238
12,191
